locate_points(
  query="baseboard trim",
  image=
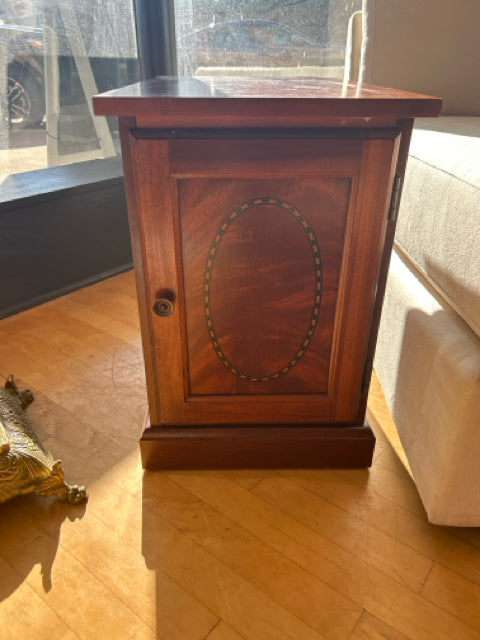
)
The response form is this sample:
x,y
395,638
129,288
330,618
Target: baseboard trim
x,y
62,291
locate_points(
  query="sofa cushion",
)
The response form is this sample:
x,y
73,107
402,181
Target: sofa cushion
x,y
428,363
439,221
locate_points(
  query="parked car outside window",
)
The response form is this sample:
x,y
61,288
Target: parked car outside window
x,y
25,74
254,42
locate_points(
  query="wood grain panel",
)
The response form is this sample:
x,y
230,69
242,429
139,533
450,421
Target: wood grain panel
x,y
263,282
243,101
258,156
180,225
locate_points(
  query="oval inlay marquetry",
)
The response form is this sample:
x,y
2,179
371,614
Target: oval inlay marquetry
x,y
315,281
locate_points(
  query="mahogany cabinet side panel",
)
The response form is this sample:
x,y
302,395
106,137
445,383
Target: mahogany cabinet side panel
x,y
403,144
365,245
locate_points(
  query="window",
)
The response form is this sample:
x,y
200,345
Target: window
x,y
54,55
63,215
270,37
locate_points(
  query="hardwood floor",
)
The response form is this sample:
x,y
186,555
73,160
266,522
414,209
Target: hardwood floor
x,y
258,555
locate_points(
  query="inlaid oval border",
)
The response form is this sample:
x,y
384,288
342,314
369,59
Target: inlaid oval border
x,y
238,211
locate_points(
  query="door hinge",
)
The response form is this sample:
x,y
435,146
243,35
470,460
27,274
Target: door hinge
x,y
395,201
367,374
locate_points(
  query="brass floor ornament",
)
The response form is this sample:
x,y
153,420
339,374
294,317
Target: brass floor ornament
x,y
25,465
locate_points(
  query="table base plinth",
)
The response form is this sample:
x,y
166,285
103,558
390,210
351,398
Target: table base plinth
x,y
256,446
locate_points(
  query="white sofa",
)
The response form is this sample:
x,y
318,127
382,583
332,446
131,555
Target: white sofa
x,y
428,350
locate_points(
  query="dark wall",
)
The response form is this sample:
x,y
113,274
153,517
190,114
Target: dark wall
x,y
55,242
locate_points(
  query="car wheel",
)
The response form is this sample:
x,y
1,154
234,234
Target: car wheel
x,y
26,105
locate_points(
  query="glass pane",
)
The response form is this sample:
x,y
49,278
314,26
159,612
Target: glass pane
x,y
54,55
270,37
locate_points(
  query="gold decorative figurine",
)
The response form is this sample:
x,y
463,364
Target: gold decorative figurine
x,y
25,465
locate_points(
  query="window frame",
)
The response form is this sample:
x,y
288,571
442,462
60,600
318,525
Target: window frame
x,y
97,184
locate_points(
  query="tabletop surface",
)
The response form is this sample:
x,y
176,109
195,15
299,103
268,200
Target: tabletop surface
x,y
243,93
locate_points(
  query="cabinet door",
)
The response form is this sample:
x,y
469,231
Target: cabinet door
x,y
269,250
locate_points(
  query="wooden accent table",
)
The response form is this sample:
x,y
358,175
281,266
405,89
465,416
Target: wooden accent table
x,y
262,215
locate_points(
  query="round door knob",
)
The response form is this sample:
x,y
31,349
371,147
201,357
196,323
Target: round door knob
x,y
163,307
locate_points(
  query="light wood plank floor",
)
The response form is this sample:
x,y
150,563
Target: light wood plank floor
x,y
258,555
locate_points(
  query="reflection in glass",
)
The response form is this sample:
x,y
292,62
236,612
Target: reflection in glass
x,y
264,37
54,55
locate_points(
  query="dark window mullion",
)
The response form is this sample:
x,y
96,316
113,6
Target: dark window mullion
x,y
155,25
